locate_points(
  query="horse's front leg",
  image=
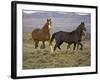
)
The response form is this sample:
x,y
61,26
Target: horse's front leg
x,y
43,45
68,46
77,46
74,46
81,45
36,44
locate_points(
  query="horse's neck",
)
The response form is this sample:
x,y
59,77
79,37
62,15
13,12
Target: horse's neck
x,y
45,28
82,33
78,31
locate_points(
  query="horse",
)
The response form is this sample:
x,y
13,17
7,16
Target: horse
x,y
70,43
42,34
69,37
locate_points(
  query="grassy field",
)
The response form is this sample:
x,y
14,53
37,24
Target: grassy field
x,y
43,58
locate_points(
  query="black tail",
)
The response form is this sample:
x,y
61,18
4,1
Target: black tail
x,y
52,38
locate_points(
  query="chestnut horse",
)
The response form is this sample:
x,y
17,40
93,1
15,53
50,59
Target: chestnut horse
x,y
42,34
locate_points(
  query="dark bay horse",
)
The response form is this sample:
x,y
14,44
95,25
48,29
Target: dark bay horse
x,y
70,43
42,34
69,37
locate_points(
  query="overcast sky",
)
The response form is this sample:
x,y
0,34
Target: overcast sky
x,y
65,21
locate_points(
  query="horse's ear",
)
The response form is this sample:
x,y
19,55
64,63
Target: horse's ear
x,y
82,22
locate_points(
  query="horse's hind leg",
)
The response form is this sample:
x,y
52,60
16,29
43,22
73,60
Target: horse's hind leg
x,y
55,47
59,47
59,44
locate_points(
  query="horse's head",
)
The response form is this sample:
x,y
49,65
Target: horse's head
x,y
82,26
49,22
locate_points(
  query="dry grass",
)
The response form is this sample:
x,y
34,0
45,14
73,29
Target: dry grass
x,y
43,58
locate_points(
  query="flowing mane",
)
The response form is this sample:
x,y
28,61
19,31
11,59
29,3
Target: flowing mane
x,y
45,27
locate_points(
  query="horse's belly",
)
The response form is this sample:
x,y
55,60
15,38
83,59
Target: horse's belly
x,y
43,38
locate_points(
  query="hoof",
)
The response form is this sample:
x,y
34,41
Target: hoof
x,y
42,47
81,48
35,47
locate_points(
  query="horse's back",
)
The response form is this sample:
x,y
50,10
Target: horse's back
x,y
64,36
34,33
61,35
35,30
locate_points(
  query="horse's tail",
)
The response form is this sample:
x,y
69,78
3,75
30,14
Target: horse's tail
x,y
52,38
32,37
